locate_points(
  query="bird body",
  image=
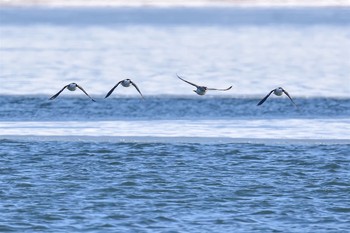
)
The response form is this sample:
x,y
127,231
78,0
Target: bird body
x,y
278,91
201,90
72,86
126,83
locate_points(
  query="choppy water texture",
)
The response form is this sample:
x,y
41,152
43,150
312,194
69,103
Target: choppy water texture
x,y
175,161
99,187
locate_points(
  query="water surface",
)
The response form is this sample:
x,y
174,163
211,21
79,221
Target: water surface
x,y
155,187
175,161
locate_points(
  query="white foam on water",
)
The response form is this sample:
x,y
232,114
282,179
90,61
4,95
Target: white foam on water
x,y
276,129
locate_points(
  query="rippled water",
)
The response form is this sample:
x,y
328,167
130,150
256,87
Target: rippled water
x,y
175,161
147,187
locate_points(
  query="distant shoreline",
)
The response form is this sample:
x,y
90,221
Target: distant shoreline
x,y
173,3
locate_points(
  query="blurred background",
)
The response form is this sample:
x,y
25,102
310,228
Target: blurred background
x,y
303,47
176,2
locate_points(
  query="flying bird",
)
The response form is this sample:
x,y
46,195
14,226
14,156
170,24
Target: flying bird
x,y
201,90
71,87
125,83
278,91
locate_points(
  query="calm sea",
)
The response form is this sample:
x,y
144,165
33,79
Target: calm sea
x,y
175,161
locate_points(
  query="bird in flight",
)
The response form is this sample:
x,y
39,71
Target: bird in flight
x,y
125,83
278,91
71,87
201,90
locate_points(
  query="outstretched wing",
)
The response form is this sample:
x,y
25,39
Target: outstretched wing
x,y
110,92
265,98
132,83
187,81
285,92
85,92
54,97
216,89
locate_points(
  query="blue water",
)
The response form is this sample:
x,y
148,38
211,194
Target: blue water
x,y
174,161
37,108
156,187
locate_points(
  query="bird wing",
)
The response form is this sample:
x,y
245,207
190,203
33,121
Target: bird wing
x,y
285,92
54,96
110,92
265,98
85,92
187,81
216,89
132,83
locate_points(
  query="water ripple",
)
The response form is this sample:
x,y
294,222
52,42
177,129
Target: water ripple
x,y
175,187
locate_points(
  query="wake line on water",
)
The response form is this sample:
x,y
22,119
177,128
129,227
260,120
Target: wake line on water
x,y
300,129
172,140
